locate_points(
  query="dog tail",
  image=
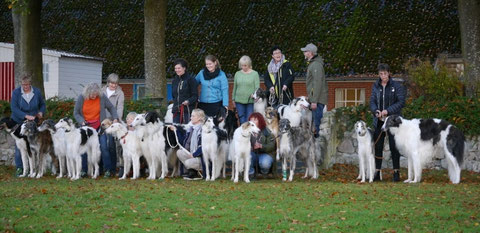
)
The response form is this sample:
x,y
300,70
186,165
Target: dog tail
x,y
456,144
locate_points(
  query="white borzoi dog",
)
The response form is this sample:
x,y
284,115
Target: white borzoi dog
x,y
241,147
130,146
297,141
260,101
214,149
168,119
59,145
293,111
149,130
418,139
79,141
366,158
21,142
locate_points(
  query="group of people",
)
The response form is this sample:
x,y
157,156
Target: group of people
x,y
189,106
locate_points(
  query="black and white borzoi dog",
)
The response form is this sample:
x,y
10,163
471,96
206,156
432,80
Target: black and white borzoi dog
x,y
260,101
240,149
214,149
297,141
79,141
59,145
21,142
366,158
293,111
419,139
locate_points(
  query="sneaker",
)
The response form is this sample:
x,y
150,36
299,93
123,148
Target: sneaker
x,y
107,174
378,176
19,172
396,176
193,175
83,174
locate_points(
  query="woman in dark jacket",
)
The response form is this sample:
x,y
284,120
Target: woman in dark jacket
x,y
184,92
388,98
279,77
263,147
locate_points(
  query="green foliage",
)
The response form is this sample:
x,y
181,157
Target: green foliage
x,y
432,82
463,112
333,203
58,108
352,36
5,108
346,117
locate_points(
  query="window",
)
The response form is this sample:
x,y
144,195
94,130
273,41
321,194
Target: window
x,y
346,97
45,72
138,91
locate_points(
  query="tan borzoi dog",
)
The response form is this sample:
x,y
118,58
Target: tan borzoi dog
x,y
366,159
241,150
418,139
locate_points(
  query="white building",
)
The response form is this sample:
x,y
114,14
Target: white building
x,y
64,74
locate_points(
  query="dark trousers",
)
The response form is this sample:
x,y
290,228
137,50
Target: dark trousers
x,y
210,109
379,147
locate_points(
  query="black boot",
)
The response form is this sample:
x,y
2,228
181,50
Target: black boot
x,y
378,176
396,176
193,175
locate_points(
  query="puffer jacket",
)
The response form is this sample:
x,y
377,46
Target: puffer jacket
x,y
394,99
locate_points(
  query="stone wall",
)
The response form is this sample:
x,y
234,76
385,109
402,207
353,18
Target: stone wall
x,y
345,151
7,145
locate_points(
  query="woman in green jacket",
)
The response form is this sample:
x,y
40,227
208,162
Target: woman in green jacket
x,y
246,82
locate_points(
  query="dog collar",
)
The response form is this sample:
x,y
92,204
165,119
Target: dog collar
x,y
123,137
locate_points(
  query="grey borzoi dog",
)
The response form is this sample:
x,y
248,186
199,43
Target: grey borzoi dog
x,y
79,141
214,149
366,158
418,139
297,141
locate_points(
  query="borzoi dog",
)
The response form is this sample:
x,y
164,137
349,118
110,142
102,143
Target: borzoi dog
x,y
214,148
366,157
130,146
149,130
241,150
260,101
79,141
21,142
296,141
59,145
418,139
293,111
41,145
168,115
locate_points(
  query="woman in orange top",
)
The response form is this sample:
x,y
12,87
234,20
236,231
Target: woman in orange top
x,y
90,109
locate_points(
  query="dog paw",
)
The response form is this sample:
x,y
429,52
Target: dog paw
x,y
247,181
38,176
22,175
122,178
284,179
407,181
133,178
59,177
362,181
359,177
235,181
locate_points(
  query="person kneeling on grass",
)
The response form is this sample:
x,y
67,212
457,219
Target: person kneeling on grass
x,y
263,148
191,154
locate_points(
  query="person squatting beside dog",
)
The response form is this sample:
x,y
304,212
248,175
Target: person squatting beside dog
x,y
246,82
191,155
263,148
316,84
27,103
388,98
184,92
90,109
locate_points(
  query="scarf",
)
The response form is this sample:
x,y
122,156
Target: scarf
x,y
197,130
207,75
274,67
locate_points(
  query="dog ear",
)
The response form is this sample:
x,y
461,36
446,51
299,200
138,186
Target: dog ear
x,y
245,125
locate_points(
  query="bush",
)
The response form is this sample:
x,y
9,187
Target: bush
x,y
346,117
5,108
58,108
432,82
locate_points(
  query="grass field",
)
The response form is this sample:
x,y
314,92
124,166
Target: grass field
x,y
334,203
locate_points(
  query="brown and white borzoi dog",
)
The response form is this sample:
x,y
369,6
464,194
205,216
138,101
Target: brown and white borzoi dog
x,y
418,139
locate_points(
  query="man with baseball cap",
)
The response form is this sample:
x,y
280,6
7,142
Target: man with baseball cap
x,y
316,84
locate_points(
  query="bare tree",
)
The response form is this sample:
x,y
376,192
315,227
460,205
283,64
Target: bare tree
x,y
469,15
28,42
154,45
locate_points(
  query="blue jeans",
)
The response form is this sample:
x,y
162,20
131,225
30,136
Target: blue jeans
x,y
108,154
244,111
264,162
317,117
18,158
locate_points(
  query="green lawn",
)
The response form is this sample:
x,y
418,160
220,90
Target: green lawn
x,y
334,203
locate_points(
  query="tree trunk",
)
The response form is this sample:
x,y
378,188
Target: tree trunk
x,y
154,45
28,42
469,15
